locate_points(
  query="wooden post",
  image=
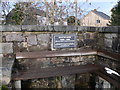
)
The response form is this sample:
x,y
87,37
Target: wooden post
x,y
52,12
76,12
17,84
47,18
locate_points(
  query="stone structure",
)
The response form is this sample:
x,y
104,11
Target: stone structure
x,y
38,38
30,19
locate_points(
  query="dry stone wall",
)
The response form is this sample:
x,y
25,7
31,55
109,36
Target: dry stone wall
x,y
34,38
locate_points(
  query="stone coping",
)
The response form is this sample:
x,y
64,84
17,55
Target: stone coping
x,y
62,28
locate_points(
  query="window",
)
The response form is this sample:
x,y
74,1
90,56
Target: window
x,y
97,21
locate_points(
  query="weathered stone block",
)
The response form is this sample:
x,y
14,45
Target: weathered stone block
x,y
50,28
116,44
89,42
6,69
108,43
32,40
41,83
19,47
75,59
93,35
10,28
14,37
110,36
34,48
1,55
86,35
42,28
0,37
110,29
25,44
6,48
80,43
82,80
68,81
43,38
29,28
71,28
80,36
59,28
81,28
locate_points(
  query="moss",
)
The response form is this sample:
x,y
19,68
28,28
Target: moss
x,y
4,87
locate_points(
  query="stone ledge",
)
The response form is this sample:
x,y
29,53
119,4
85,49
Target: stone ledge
x,y
59,28
10,28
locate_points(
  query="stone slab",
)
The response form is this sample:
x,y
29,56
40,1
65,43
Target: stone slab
x,y
42,28
108,43
0,36
29,28
32,40
6,48
110,36
43,37
6,69
110,29
14,37
10,28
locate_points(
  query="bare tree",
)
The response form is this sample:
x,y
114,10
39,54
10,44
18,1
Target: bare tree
x,y
56,11
59,11
5,7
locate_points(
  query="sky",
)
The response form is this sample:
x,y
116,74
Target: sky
x,y
88,5
102,6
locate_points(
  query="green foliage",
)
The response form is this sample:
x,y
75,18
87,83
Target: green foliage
x,y
71,20
115,16
19,12
4,87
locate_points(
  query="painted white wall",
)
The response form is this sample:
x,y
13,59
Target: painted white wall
x,y
91,20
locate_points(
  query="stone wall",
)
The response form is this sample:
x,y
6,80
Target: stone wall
x,y
38,38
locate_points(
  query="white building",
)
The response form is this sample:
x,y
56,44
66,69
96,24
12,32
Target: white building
x,y
95,18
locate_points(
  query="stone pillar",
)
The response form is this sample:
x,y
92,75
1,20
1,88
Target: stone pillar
x,y
6,62
17,85
68,81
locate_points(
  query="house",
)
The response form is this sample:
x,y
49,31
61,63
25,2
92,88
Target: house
x,y
2,19
95,18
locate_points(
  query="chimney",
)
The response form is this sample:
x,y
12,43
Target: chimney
x,y
95,10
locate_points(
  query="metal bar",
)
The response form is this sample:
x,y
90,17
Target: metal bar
x,y
56,71
109,78
76,5
52,12
47,17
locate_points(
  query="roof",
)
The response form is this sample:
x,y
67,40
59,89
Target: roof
x,y
101,14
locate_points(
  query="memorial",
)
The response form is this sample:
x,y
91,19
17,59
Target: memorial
x,y
64,41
